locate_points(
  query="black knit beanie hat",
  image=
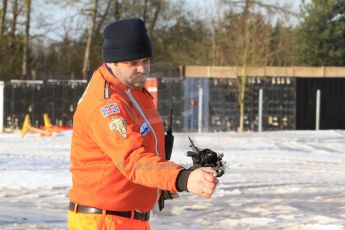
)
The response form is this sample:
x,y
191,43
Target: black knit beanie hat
x,y
126,40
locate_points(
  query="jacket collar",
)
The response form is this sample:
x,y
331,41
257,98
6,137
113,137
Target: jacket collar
x,y
109,76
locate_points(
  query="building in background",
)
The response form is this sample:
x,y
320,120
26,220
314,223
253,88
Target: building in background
x,y
289,99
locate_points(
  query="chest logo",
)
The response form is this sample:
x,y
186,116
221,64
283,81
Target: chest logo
x,y
118,124
144,128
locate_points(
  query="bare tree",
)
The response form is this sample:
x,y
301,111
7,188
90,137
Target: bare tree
x,y
3,17
157,8
91,29
27,11
145,10
243,76
149,10
117,10
15,13
248,41
96,22
103,18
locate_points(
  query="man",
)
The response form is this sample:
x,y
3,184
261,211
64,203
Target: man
x,y
117,157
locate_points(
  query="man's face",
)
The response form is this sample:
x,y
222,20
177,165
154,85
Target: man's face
x,y
132,73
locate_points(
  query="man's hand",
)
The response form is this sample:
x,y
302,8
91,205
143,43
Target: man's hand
x,y
202,182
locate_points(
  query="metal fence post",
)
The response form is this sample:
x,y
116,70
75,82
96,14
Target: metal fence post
x,y
318,107
2,98
260,110
200,110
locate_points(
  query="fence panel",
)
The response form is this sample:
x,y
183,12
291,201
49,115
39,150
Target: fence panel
x,y
57,98
220,109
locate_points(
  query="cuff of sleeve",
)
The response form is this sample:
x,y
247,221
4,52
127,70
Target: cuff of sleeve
x,y
182,180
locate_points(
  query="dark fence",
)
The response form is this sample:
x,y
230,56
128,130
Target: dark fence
x,y
220,110
57,98
332,103
278,104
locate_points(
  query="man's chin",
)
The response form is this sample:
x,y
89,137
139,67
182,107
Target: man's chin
x,y
138,85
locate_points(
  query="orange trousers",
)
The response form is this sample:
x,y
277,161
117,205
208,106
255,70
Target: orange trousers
x,y
81,221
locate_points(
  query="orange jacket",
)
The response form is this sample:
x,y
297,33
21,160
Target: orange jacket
x,y
117,155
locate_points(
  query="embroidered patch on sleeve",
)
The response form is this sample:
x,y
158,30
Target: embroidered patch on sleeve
x,y
118,124
144,129
110,109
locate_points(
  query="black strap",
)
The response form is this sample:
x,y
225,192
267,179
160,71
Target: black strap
x,y
144,216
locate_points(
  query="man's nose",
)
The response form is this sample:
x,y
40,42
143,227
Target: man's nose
x,y
141,68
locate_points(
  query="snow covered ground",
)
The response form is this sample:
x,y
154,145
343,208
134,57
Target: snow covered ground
x,y
275,180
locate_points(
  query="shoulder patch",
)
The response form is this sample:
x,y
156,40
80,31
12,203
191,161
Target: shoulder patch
x,y
118,124
144,128
110,109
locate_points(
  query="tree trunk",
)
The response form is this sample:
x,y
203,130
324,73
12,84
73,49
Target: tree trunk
x,y
243,76
117,12
242,94
102,20
14,22
155,17
27,10
86,65
3,18
145,11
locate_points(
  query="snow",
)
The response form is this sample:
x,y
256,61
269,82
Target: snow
x,y
274,180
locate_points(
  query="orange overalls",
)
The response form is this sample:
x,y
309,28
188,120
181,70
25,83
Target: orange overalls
x,y
117,154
